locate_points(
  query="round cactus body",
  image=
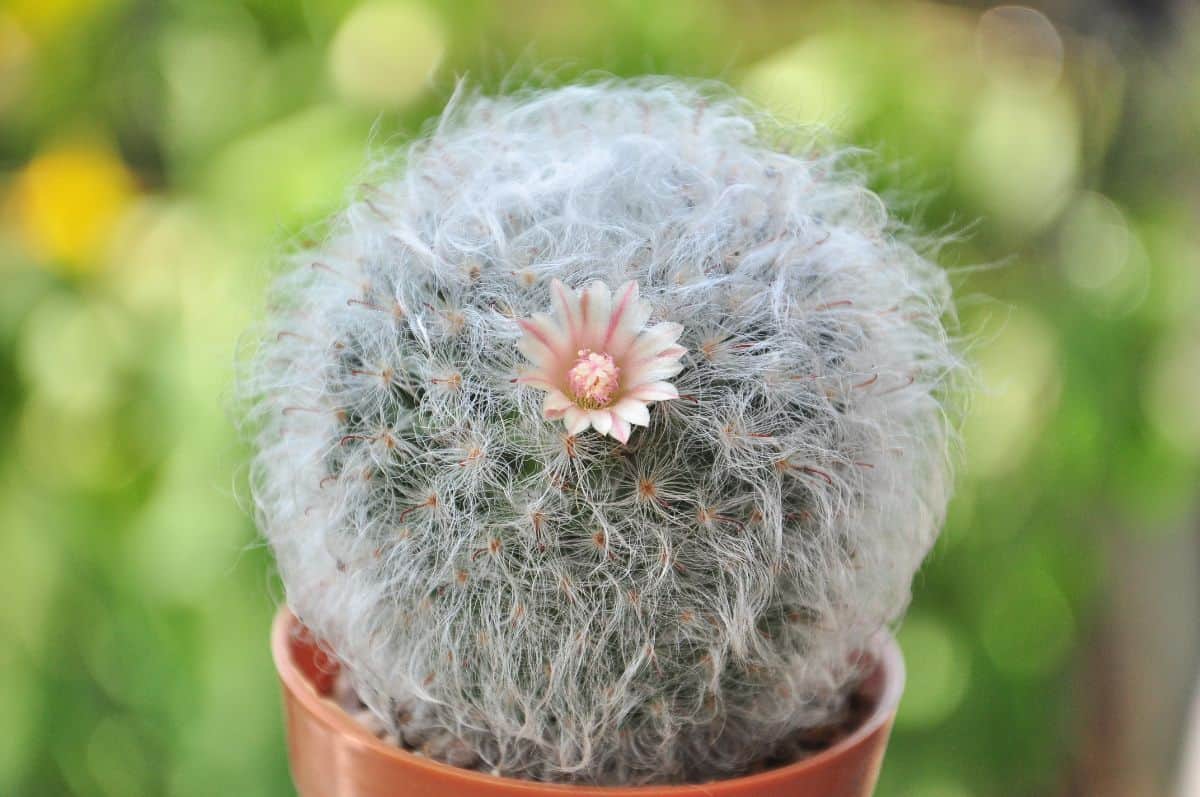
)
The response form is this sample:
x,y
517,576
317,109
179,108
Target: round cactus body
x,y
602,432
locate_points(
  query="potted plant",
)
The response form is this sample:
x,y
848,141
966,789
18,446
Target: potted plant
x,y
598,443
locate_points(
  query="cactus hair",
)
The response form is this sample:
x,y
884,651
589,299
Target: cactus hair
x,y
570,608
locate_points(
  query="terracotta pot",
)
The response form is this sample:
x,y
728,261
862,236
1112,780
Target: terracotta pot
x,y
332,756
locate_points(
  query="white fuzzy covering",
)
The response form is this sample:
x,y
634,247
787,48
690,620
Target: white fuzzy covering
x,y
576,610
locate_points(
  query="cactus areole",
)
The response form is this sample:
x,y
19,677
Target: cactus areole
x,y
602,434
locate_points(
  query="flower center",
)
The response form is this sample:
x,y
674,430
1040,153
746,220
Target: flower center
x,y
593,379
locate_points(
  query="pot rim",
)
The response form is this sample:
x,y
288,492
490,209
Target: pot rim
x,y
327,712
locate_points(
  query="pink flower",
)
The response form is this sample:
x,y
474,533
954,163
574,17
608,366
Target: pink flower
x,y
598,363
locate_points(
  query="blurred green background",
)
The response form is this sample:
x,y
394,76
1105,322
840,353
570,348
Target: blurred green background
x,y
154,154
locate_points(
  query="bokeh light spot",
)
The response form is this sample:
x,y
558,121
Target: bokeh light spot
x,y
292,170
115,758
188,534
1020,158
938,672
72,351
65,448
385,52
31,565
1019,371
205,68
17,702
16,53
1019,48
1171,390
937,785
1101,256
1027,625
152,243
815,81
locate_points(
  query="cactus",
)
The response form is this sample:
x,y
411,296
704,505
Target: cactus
x,y
516,551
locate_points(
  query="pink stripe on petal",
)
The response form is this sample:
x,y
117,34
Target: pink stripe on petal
x,y
654,391
537,380
620,429
585,308
627,296
540,332
599,310
612,325
654,340
567,303
657,369
627,333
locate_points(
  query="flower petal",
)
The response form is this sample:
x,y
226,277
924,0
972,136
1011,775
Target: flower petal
x,y
633,411
566,306
555,404
620,429
543,338
628,318
535,352
537,378
655,340
654,391
626,300
608,326
576,419
673,352
595,307
656,370
602,420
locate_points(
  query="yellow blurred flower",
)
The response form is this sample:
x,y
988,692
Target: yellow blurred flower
x,y
45,18
67,201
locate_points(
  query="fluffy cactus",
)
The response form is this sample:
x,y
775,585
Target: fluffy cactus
x,y
644,551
